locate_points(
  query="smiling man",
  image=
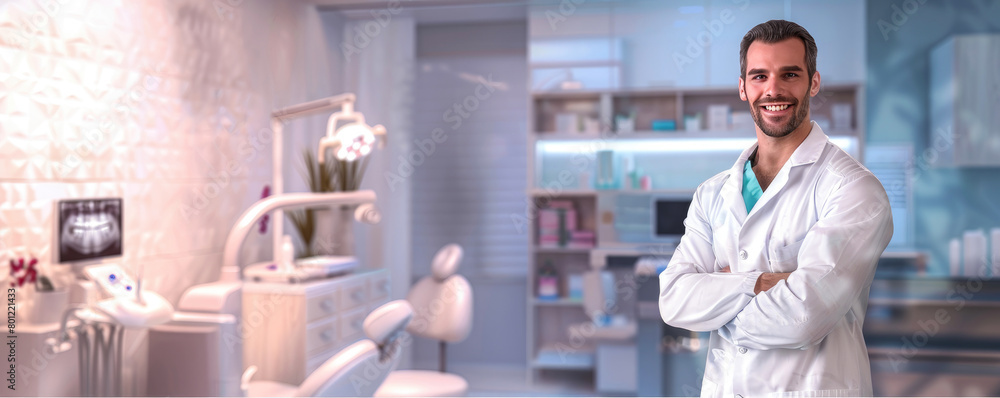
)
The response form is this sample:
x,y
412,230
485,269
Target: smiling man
x,y
780,250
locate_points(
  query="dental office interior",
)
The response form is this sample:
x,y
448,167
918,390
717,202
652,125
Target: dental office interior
x,y
455,197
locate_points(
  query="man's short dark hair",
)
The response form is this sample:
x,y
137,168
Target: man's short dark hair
x,y
774,31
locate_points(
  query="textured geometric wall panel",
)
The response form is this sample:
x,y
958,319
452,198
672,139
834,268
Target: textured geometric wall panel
x,y
162,103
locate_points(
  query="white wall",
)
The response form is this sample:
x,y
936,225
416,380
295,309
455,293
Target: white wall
x,y
153,102
162,103
665,42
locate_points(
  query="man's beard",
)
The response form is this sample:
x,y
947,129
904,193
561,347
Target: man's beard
x,y
801,111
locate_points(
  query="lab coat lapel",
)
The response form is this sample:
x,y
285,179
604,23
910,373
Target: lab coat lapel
x,y
808,152
732,189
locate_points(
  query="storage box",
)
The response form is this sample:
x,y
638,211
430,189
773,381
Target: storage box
x,y
692,122
742,121
841,114
718,117
664,125
555,225
567,123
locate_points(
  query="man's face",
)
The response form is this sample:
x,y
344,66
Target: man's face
x,y
777,86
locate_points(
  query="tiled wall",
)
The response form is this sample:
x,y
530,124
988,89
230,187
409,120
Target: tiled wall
x,y
161,103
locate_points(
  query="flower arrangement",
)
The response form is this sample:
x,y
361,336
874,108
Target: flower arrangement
x,y
22,273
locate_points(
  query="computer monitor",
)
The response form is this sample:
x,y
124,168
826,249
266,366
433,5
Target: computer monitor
x,y
89,229
669,212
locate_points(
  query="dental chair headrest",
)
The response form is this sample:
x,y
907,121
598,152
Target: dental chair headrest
x,y
446,261
385,323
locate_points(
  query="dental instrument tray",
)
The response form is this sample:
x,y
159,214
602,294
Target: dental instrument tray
x,y
306,269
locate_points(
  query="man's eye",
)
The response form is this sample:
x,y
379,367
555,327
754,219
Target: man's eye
x,y
791,74
757,77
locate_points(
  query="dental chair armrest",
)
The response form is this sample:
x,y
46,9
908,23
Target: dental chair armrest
x,y
384,323
214,297
245,380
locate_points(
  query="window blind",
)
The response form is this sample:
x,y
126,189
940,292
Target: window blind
x,y
467,188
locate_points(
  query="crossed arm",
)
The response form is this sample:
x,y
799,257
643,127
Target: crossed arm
x,y
761,310
765,281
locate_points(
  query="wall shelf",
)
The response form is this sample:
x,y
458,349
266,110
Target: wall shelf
x,y
561,302
566,358
673,103
578,364
563,250
667,135
542,192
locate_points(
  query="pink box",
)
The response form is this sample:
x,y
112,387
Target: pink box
x,y
550,231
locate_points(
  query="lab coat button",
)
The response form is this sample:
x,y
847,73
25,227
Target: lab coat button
x,y
743,254
743,350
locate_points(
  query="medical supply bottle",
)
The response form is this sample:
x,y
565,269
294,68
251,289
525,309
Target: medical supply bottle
x,y
548,281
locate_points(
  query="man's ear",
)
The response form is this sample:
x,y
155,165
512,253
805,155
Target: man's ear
x,y
815,84
743,91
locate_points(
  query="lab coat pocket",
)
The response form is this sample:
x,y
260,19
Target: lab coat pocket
x,y
785,258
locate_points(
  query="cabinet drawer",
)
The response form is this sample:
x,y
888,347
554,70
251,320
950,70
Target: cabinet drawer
x,y
322,306
378,288
352,326
353,294
322,336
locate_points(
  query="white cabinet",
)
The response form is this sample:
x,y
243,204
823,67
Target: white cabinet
x,y
291,329
965,101
36,368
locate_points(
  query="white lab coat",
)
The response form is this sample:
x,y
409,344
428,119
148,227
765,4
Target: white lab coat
x,y
826,219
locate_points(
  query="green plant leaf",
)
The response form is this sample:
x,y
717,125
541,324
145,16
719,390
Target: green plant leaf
x,y
305,224
43,284
321,177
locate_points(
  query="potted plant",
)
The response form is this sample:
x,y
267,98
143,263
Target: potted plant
x,y
46,303
326,231
49,302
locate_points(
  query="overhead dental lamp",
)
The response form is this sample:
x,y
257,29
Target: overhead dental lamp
x,y
350,141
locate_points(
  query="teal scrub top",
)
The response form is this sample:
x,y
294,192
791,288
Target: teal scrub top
x,y
751,188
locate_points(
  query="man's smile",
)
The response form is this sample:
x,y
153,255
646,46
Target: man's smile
x,y
776,109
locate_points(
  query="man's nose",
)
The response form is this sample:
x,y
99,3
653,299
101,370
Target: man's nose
x,y
771,87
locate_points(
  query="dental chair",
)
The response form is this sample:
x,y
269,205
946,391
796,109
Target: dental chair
x,y
442,304
355,371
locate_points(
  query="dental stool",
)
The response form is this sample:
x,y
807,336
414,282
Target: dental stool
x,y
355,371
442,304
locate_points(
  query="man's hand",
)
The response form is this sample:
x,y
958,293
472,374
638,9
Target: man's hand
x,y
766,280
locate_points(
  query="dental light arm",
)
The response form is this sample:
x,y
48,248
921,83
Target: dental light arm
x,y
345,102
249,218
